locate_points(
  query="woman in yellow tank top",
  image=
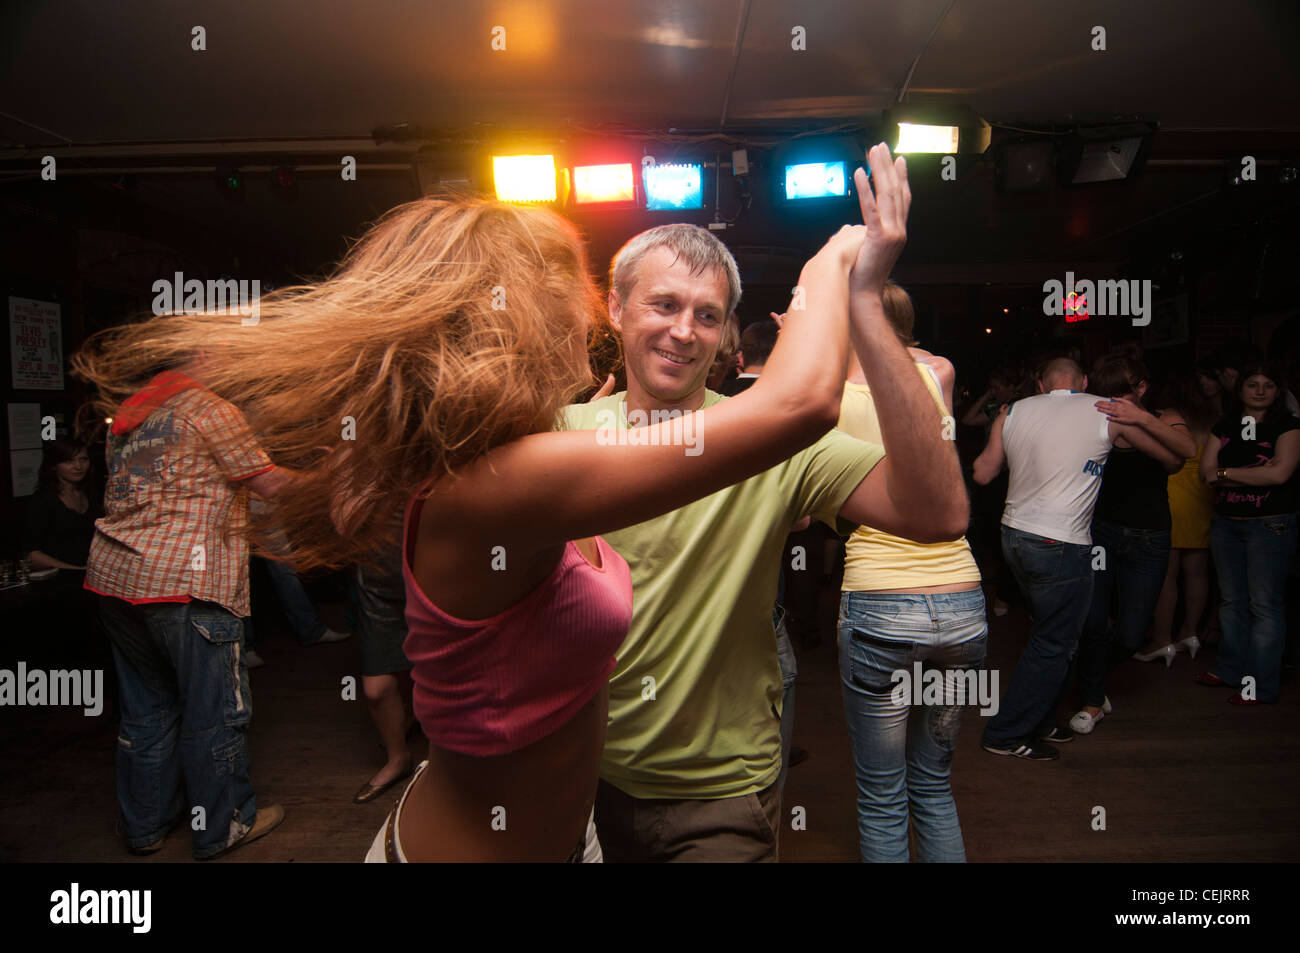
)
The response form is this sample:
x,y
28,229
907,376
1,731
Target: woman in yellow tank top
x,y
905,606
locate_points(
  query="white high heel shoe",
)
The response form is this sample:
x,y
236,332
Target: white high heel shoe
x,y
1166,652
1191,645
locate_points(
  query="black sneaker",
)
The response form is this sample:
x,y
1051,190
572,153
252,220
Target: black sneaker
x,y
1059,735
1027,751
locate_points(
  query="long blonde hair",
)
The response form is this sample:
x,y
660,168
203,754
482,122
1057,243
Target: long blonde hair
x,y
455,325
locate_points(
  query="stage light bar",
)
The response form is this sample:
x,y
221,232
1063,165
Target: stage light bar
x,y
915,138
1027,165
674,187
603,183
524,178
1107,161
816,180
936,129
1105,154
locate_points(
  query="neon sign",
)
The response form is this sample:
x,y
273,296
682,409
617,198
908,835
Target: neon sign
x,y
1076,308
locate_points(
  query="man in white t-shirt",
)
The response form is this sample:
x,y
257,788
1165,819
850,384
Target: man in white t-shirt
x,y
1056,444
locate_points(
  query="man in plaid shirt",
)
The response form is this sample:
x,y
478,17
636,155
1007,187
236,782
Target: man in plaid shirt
x,y
170,567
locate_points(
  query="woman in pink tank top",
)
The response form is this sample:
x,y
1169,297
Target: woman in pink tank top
x,y
429,371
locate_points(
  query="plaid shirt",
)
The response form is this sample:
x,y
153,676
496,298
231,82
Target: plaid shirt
x,y
174,506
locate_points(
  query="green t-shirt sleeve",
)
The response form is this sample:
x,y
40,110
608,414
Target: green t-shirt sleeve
x,y
829,471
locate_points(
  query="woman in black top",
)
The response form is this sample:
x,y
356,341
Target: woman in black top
x,y
1253,535
61,516
1130,533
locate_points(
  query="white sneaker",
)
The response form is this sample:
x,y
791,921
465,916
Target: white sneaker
x,y
332,636
1083,723
1105,705
253,660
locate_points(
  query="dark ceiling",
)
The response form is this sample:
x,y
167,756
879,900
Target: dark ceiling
x,y
86,71
111,88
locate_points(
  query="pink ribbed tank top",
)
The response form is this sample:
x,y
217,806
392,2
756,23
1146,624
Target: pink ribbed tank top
x,y
492,686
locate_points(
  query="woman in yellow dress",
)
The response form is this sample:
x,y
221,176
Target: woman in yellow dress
x,y
1191,506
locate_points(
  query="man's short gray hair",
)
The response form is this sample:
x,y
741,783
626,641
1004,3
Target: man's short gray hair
x,y
1062,370
697,247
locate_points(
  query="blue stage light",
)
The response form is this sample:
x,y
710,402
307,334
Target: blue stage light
x,y
673,187
816,180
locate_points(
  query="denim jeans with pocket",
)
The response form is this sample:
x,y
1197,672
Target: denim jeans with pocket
x,y
1056,579
186,705
1252,558
903,754
1135,567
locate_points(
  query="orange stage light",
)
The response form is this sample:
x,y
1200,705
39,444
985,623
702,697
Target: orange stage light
x,y
603,183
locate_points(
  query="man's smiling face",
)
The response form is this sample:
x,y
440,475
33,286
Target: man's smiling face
x,y
671,323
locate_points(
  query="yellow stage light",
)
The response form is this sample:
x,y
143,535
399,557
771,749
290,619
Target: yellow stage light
x,y
524,178
913,137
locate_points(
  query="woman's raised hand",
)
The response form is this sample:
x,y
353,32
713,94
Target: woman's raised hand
x,y
884,215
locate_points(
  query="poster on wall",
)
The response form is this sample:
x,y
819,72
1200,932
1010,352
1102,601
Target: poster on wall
x,y
24,426
35,344
24,447
25,471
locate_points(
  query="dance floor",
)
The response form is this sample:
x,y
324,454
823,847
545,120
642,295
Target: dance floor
x,y
1182,775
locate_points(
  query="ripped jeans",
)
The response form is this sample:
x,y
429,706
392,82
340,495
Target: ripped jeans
x,y
183,741
903,754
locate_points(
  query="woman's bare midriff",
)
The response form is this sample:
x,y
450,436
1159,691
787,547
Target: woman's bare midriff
x,y
530,805
949,587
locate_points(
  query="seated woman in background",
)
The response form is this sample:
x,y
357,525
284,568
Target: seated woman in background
x,y
61,516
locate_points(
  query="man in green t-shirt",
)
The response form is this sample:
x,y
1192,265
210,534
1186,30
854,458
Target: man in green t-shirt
x,y
693,748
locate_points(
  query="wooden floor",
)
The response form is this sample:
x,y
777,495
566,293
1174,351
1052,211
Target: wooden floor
x,y
1183,776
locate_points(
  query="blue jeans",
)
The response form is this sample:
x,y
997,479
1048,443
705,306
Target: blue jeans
x,y
901,760
1252,557
185,712
1056,579
789,672
1136,562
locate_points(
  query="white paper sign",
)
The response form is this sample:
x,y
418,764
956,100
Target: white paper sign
x,y
26,471
24,426
36,344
